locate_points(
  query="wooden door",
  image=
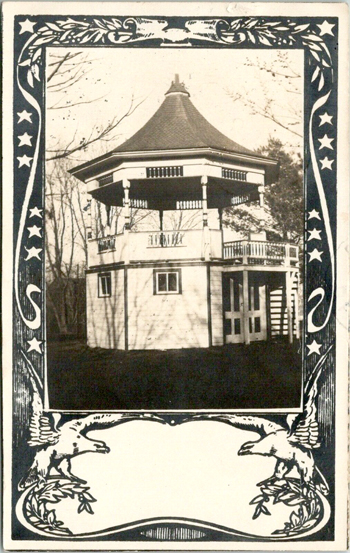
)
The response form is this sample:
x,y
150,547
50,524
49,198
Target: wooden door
x,y
234,315
257,320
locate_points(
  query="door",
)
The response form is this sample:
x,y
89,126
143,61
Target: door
x,y
234,309
257,323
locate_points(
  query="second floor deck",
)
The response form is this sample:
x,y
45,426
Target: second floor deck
x,y
189,244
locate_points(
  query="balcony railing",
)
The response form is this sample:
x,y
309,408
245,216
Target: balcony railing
x,y
260,253
165,239
189,244
105,244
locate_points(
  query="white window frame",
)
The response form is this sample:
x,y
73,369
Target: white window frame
x,y
166,272
100,276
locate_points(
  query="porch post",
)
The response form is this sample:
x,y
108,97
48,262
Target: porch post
x,y
289,306
246,308
161,213
261,190
296,305
206,235
126,187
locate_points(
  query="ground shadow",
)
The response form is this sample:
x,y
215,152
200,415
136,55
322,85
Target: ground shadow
x,y
259,376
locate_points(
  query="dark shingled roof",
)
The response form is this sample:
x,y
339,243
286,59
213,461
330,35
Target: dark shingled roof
x,y
178,125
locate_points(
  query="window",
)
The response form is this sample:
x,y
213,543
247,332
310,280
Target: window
x,y
104,285
167,281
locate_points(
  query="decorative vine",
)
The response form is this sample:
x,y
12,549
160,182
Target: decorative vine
x,y
37,505
290,492
252,31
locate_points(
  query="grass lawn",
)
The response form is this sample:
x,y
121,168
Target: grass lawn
x,y
261,375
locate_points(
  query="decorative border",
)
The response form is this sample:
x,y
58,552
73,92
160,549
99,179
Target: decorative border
x,y
318,38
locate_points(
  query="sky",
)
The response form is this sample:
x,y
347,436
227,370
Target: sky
x,y
214,78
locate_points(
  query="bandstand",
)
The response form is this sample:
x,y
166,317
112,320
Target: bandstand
x,y
170,288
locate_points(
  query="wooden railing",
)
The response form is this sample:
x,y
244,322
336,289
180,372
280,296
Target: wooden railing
x,y
106,243
165,239
260,253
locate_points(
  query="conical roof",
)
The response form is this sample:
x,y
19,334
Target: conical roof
x,y
178,125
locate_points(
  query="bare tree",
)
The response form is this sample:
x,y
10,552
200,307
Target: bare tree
x,y
65,243
287,115
65,71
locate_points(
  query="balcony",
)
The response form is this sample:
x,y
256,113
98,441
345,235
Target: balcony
x,y
250,252
186,245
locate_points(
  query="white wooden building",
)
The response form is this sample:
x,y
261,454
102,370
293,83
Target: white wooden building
x,y
170,288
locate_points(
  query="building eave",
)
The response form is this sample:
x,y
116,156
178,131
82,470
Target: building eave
x,y
92,168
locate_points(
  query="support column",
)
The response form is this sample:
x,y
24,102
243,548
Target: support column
x,y
289,306
246,307
206,233
296,307
261,190
126,187
161,213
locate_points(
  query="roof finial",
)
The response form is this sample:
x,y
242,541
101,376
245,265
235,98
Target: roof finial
x,y
177,87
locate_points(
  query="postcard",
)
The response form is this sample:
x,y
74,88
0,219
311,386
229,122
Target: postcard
x,y
175,276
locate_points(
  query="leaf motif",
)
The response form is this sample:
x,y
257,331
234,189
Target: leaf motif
x,y
315,74
252,37
256,499
25,63
81,507
99,24
37,54
315,55
88,508
30,78
116,23
44,40
42,510
51,518
265,510
314,47
315,38
89,497
252,23
53,26
257,512
321,83
296,501
264,40
35,71
301,28
294,519
65,35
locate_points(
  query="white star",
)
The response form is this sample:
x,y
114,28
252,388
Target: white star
x,y
35,212
315,254
325,118
24,116
326,142
314,234
314,214
27,26
34,345
326,28
33,252
326,163
25,140
24,160
34,231
314,347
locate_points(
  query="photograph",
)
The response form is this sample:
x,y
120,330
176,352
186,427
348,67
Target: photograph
x,y
175,292
174,228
